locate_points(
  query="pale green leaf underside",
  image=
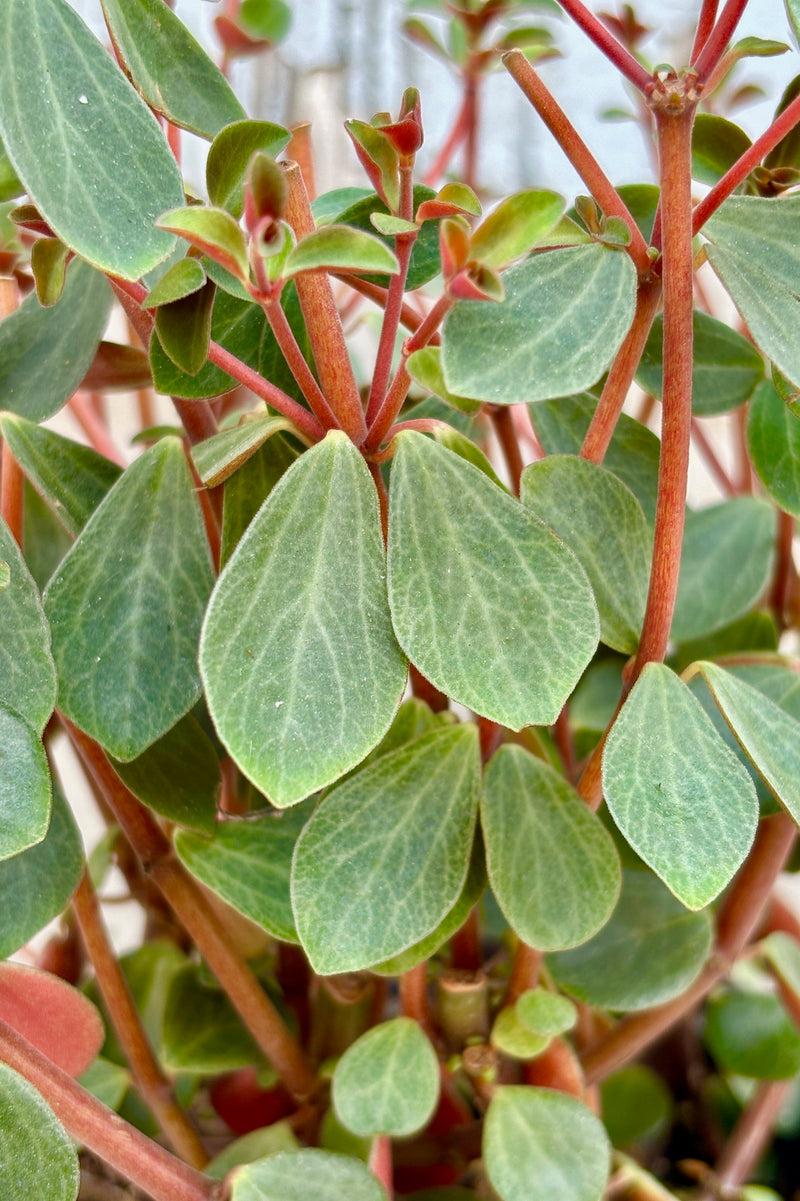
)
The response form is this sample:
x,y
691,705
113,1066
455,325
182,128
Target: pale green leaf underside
x,y
87,148
25,789
37,1158
218,457
540,1143
45,352
248,865
126,604
649,952
385,856
552,866
302,671
769,736
601,520
773,440
37,884
486,601
681,798
27,671
387,1082
726,562
168,67
563,318
308,1175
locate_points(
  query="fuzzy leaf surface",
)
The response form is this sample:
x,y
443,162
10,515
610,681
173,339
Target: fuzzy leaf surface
x,y
45,352
308,1175
201,1032
386,855
218,457
59,1020
87,148
387,1081
773,441
168,68
302,671
25,789
552,865
649,952
680,797
607,531
340,247
486,601
563,318
126,604
177,776
230,153
542,1143
27,671
37,1156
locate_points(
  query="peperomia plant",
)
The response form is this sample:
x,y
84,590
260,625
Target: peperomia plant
x,y
451,758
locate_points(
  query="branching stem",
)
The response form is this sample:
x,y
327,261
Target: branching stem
x,y
596,31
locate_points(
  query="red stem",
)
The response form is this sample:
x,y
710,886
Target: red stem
x,y
705,23
710,456
12,492
408,315
576,150
471,128
503,423
717,41
413,986
284,336
622,59
380,1162
94,428
453,141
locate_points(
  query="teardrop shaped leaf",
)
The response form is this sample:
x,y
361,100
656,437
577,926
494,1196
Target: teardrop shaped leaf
x,y
563,318
184,328
248,865
751,1034
716,145
302,671
37,1156
768,735
308,1175
141,567
340,247
201,1032
37,884
25,790
387,1081
773,442
552,865
45,353
27,671
726,561
230,154
70,477
514,226
541,1143
600,520
68,116
385,856
215,232
486,601
168,68
649,952
681,798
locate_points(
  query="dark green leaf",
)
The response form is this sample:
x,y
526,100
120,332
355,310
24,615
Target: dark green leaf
x,y
37,1157
177,776
44,538
755,631
219,457
387,1081
69,117
751,1034
425,262
25,790
183,328
636,1104
45,353
141,567
201,1031
180,280
716,145
106,1081
249,487
773,440
308,1175
10,186
269,1140
230,154
425,368
27,671
168,68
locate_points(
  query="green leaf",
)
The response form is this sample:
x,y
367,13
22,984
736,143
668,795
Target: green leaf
x,y
178,281
25,790
215,232
782,952
462,446
755,253
425,368
514,1038
308,1175
716,145
339,247
141,566
45,353
546,1013
230,154
486,601
726,561
385,857
249,487
768,735
106,1081
751,1034
563,318
755,631
268,19
636,1104
37,1156
387,1081
388,224
425,261
680,797
71,478
90,153
38,883
301,668
27,671
44,538
248,865
183,328
201,1031
178,776
269,1140
552,866
517,224
601,521
773,442
726,366
10,186
168,68
649,952
219,457
632,455
541,1143
49,267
